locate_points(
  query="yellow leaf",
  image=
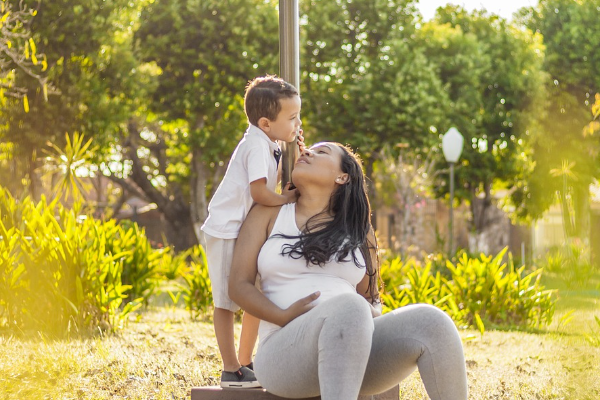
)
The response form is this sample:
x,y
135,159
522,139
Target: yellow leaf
x,y
34,59
44,64
26,103
45,90
33,47
8,44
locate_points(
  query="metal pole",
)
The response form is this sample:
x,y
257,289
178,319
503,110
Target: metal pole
x,y
289,70
450,223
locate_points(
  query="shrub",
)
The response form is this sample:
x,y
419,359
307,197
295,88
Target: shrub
x,y
499,292
197,292
471,291
58,273
143,266
571,262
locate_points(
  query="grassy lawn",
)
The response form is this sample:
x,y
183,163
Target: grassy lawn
x,y
163,354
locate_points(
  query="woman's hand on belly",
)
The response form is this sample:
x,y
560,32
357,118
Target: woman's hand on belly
x,y
298,308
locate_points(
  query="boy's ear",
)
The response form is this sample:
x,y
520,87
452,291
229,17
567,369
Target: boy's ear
x,y
264,124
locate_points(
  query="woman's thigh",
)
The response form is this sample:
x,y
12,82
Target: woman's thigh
x,y
288,362
416,336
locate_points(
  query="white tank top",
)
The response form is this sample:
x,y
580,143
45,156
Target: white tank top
x,y
285,280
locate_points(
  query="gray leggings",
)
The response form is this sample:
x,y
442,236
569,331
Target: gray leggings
x,y
337,350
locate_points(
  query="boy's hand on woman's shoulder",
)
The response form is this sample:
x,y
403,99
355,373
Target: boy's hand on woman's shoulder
x,y
290,194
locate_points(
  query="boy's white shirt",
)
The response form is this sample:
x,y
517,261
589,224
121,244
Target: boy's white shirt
x,y
252,159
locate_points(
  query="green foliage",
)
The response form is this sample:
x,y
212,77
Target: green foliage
x,y
571,262
18,52
570,31
197,292
500,292
363,80
57,272
141,265
594,337
493,75
65,162
473,291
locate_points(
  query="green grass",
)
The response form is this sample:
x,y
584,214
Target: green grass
x,y
164,354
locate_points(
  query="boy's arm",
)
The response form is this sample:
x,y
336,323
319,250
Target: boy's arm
x,y
261,194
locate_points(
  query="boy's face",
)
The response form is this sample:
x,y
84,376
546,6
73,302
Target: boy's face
x,y
287,123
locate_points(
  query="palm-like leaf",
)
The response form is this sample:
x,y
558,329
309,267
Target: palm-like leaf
x,y
66,162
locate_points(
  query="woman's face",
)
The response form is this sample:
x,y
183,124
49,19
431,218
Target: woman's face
x,y
320,163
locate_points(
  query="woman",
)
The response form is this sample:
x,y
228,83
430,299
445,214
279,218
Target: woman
x,y
321,331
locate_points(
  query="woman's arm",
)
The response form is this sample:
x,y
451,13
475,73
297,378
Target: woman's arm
x,y
242,290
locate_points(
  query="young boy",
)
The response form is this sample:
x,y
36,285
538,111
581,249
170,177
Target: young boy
x,y
273,110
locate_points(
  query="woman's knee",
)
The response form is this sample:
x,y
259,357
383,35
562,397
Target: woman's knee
x,y
351,303
348,309
434,323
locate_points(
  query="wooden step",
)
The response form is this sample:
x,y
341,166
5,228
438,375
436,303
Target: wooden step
x,y
218,393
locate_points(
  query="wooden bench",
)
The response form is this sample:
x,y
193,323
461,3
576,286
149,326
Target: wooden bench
x,y
218,393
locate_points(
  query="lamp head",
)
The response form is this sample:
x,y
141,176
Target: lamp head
x,y
452,145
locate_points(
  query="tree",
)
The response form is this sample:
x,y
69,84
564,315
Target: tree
x,y
202,55
18,56
571,37
493,74
402,182
364,81
82,42
18,51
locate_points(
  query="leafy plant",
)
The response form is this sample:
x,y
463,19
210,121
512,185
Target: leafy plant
x,y
197,292
66,162
571,262
57,271
473,291
594,337
141,263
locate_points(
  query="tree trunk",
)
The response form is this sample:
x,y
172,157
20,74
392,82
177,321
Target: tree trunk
x,y
581,205
170,202
35,183
488,234
199,203
180,229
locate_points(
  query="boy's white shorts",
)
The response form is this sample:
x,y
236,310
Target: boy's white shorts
x,y
219,255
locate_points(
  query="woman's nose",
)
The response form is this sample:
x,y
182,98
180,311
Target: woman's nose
x,y
307,152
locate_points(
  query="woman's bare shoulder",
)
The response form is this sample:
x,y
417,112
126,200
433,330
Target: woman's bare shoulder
x,y
260,211
262,217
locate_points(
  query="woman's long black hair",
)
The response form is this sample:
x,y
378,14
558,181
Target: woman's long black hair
x,y
341,228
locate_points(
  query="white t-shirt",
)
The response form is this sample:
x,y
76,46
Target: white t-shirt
x,y
285,280
252,160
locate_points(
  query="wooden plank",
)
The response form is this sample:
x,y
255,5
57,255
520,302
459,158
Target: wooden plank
x,y
218,393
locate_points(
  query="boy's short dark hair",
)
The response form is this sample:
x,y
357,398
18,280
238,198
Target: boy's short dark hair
x,y
263,95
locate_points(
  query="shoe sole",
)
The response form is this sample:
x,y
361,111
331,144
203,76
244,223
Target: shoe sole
x,y
240,385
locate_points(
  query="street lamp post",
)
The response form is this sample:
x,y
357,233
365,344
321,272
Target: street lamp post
x,y
289,70
452,145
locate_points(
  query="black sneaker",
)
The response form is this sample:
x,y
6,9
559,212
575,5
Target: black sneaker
x,y
242,378
249,366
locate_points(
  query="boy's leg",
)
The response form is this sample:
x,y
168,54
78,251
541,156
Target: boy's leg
x,y
248,338
219,253
223,322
